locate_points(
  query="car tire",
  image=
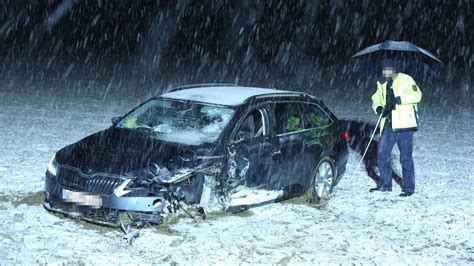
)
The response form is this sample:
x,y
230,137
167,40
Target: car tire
x,y
322,181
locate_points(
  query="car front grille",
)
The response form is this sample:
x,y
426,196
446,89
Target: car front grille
x,y
101,216
96,184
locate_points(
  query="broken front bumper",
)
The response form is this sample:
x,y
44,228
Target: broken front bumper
x,y
105,209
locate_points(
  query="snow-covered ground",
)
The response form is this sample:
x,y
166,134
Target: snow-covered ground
x,y
434,226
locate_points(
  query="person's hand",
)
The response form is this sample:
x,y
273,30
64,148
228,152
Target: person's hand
x,y
398,100
383,111
379,110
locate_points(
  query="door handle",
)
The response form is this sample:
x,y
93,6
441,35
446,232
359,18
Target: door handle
x,y
275,153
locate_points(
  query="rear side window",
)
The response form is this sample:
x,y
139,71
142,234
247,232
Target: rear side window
x,y
287,118
314,116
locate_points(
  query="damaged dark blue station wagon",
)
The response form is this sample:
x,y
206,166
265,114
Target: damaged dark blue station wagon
x,y
214,147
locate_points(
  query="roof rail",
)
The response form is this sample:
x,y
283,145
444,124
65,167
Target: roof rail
x,y
190,86
276,94
282,94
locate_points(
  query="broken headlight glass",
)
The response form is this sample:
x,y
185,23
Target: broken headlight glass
x,y
53,166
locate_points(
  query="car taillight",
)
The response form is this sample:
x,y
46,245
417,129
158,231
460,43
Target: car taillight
x,y
345,135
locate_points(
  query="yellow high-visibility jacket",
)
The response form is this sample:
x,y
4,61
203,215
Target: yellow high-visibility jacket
x,y
405,115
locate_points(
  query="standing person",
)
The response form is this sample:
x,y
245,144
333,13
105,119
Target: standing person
x,y
396,100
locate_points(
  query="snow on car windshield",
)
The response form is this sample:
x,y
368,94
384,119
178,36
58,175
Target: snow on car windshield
x,y
182,122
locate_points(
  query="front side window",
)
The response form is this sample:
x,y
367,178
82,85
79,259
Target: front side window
x,y
181,122
314,116
287,118
252,127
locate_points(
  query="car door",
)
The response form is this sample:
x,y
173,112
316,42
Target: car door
x,y
292,166
249,153
316,136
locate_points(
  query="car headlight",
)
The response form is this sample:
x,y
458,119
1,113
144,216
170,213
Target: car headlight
x,y
53,166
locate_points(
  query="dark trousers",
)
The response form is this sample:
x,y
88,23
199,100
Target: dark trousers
x,y
404,140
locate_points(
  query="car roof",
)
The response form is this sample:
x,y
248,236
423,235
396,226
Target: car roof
x,y
224,95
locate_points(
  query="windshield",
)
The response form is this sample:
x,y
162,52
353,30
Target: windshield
x,y
182,122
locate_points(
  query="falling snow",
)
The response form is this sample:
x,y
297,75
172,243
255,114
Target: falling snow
x,y
67,67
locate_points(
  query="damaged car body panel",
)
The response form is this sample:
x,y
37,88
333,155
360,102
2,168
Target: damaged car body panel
x,y
200,146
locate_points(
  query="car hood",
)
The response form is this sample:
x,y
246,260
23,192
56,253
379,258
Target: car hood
x,y
121,151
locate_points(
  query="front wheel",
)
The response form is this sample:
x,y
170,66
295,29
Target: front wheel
x,y
322,181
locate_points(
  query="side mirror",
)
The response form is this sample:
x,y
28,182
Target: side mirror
x,y
116,119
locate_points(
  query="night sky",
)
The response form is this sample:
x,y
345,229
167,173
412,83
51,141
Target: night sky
x,y
225,38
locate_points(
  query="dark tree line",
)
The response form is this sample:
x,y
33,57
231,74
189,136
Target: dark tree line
x,y
215,35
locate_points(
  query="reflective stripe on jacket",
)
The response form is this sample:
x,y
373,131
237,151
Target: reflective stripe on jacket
x,y
404,116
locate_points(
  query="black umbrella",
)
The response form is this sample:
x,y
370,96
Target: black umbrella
x,y
395,46
407,56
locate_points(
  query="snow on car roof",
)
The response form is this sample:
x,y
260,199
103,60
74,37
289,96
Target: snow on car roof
x,y
223,95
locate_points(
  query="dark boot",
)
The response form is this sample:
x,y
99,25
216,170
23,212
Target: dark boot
x,y
380,189
374,189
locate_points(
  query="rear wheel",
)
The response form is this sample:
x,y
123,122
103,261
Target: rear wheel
x,y
322,181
